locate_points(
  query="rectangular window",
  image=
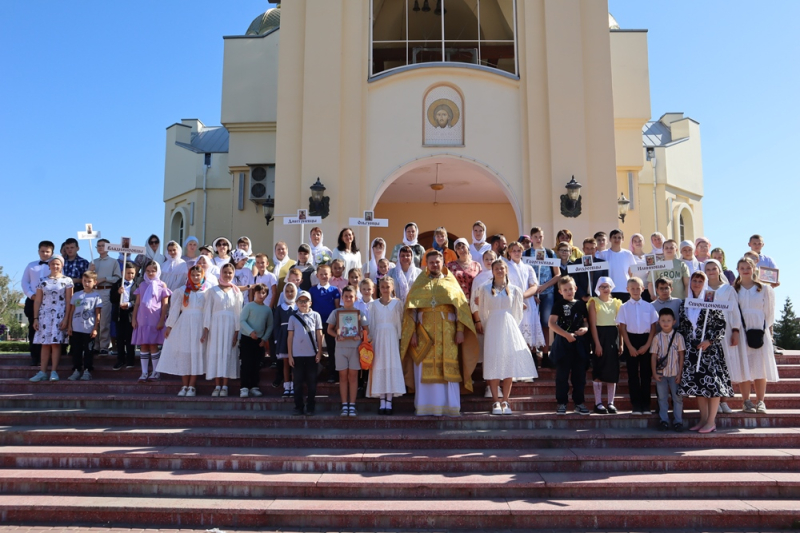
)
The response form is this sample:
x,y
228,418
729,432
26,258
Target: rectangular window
x,y
412,32
631,189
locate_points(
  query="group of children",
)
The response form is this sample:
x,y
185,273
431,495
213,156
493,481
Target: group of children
x,y
217,313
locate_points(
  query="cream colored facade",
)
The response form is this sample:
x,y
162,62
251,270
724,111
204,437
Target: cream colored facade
x,y
302,93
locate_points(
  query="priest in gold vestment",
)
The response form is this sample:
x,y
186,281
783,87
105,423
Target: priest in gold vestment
x,y
439,346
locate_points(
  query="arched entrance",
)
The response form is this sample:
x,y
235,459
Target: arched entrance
x,y
449,191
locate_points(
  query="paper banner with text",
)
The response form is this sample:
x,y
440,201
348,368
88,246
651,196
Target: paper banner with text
x,y
369,221
547,261
576,269
301,219
643,269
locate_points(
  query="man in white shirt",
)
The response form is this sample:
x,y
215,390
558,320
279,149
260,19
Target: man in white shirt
x,y
638,321
34,272
619,261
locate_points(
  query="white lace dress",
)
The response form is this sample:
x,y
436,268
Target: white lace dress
x,y
183,354
758,309
506,353
523,276
221,313
385,327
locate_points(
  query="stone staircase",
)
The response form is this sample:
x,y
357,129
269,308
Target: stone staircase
x,y
112,451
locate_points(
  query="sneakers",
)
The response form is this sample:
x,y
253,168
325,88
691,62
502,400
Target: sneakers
x,y
581,409
345,409
496,409
600,409
287,393
352,410
76,375
748,406
223,392
636,412
244,392
254,392
154,376
40,376
54,377
183,391
86,376
561,409
724,408
118,366
217,390
612,409
143,378
129,365
191,391
663,426
506,408
761,408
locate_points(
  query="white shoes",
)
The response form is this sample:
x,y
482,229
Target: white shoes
x,y
761,408
506,408
254,392
76,375
244,392
497,409
190,391
183,391
224,391
217,391
724,408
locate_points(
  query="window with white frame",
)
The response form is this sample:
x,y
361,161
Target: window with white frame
x,y
412,32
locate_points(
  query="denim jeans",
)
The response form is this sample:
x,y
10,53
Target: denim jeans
x,y
665,388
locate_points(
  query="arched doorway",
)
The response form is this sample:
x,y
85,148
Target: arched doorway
x,y
449,191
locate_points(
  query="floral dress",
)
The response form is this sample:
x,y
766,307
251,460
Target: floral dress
x,y
711,379
53,310
465,276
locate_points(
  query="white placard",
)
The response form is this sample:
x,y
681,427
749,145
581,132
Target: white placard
x,y
576,269
374,223
123,250
547,261
82,235
301,218
696,303
645,269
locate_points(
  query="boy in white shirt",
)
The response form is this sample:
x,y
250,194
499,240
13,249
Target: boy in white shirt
x,y
34,272
84,322
637,321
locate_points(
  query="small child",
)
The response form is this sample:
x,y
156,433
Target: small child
x,y
84,324
305,266
384,265
637,321
603,311
385,325
687,256
347,359
354,278
668,350
325,299
244,244
337,272
122,302
221,312
182,353
243,277
569,322
149,318
255,325
664,297
367,288
305,351
280,320
267,278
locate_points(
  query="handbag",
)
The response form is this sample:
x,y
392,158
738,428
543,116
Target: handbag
x,y
366,353
755,337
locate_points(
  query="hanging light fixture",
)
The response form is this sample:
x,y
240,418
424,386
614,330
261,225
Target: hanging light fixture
x,y
416,6
436,186
425,6
438,10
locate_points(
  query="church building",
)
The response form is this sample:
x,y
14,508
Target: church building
x,y
441,112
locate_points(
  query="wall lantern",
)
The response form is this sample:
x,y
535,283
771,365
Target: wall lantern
x,y
269,209
571,202
318,204
623,204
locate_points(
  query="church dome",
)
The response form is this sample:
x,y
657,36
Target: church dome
x,y
263,24
612,22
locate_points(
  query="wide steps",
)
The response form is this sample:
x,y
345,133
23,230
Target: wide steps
x,y
176,459
370,514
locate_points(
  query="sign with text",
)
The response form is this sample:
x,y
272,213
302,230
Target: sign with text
x,y
369,221
708,303
587,264
84,236
651,264
125,247
301,218
542,261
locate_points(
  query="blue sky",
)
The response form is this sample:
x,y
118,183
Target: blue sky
x,y
90,87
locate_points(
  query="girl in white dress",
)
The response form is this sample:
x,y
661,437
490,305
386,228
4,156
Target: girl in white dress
x,y
523,277
221,312
757,302
183,354
482,278
174,270
385,327
53,294
506,355
735,357
208,270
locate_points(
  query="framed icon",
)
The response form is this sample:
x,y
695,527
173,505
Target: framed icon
x,y
587,260
125,242
347,324
540,255
767,274
650,260
709,296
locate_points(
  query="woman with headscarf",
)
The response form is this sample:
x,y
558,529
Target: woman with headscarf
x,y
719,255
734,358
479,245
377,252
704,332
151,253
174,270
182,353
657,242
208,273
221,312
191,248
319,252
410,234
565,235
464,268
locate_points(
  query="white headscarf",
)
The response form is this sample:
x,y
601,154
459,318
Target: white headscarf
x,y
285,305
602,280
478,248
373,259
210,276
722,277
462,240
657,250
169,263
151,255
318,250
693,313
249,250
406,241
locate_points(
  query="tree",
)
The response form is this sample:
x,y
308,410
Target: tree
x,y
787,329
9,303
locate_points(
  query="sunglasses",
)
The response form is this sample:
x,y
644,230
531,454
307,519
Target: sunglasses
x,y
153,242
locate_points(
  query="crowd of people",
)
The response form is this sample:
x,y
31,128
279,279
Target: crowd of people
x,y
431,315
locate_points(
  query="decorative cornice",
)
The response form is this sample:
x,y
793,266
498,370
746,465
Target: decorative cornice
x,y
251,127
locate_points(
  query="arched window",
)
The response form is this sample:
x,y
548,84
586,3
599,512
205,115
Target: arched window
x,y
412,32
682,228
176,228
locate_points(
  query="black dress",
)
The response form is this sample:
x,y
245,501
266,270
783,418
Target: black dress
x,y
605,368
712,380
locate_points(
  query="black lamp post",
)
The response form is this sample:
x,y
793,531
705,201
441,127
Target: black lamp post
x,y
623,204
318,204
269,209
571,202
